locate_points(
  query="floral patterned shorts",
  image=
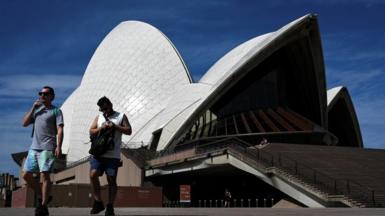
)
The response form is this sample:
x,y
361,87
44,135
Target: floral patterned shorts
x,y
39,161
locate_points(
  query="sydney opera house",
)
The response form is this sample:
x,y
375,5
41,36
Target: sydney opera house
x,y
260,122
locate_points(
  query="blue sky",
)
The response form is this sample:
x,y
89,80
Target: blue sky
x,y
51,42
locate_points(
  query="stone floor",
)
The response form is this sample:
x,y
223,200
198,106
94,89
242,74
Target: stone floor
x,y
205,211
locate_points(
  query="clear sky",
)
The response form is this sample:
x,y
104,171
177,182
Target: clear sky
x,y
51,42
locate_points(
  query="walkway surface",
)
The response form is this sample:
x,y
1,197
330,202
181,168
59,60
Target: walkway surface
x,y
205,211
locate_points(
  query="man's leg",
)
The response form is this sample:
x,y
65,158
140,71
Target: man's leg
x,y
32,183
31,166
95,171
45,160
112,166
98,205
112,188
95,184
46,186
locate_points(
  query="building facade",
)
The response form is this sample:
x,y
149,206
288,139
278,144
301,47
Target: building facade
x,y
247,125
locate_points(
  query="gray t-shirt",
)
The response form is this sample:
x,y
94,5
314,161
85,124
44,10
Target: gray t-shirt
x,y
45,123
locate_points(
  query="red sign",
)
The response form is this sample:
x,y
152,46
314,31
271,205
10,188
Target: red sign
x,y
185,193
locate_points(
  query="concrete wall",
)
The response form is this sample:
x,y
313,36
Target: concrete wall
x,y
22,198
79,195
137,197
130,174
21,180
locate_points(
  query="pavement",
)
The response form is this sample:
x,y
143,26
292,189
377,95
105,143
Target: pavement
x,y
206,211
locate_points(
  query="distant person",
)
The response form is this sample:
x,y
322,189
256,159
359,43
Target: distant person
x,y
264,141
47,139
227,198
108,162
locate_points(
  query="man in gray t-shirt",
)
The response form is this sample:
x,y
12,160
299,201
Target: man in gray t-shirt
x,y
46,120
46,145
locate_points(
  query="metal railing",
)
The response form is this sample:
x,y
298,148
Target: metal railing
x,y
125,145
75,163
134,145
220,203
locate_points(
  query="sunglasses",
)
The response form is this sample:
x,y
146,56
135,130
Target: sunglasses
x,y
103,109
44,93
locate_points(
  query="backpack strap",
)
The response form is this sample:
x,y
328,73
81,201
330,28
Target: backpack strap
x,y
55,111
121,115
33,125
33,129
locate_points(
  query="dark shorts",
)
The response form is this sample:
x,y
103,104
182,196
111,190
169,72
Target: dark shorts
x,y
108,165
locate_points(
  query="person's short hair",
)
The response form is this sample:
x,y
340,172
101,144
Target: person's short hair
x,y
104,100
51,91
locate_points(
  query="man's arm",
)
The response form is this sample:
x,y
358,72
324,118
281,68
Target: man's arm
x,y
60,134
28,117
94,130
125,127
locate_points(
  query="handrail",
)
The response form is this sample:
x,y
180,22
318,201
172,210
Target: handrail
x,y
75,163
125,145
133,145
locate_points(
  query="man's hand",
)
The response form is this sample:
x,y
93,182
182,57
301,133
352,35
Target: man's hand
x,y
58,152
106,125
110,124
36,104
28,117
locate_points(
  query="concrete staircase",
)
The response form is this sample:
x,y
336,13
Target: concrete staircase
x,y
338,176
335,179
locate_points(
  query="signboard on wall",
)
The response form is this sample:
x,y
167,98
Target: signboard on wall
x,y
185,193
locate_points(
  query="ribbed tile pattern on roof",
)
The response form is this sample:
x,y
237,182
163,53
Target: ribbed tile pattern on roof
x,y
138,69
223,66
220,72
67,109
179,110
332,93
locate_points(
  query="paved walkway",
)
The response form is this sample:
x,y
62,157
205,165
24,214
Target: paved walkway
x,y
204,211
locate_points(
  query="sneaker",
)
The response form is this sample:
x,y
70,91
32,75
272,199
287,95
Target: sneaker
x,y
48,201
37,210
38,207
97,207
41,210
109,210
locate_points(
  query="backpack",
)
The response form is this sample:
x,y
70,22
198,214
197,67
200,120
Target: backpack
x,y
102,142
